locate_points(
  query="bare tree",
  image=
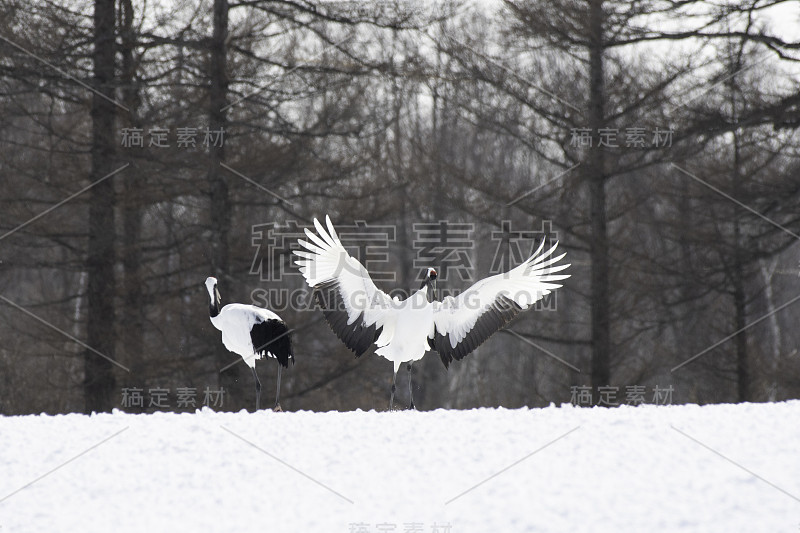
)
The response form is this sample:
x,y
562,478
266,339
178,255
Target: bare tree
x,y
99,379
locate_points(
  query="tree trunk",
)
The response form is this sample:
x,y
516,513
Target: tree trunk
x,y
774,327
431,378
596,176
739,297
218,89
220,206
99,380
742,365
132,185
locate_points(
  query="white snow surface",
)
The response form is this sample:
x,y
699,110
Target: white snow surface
x,y
646,468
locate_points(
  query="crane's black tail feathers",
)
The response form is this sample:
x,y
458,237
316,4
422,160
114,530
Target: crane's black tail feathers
x,y
272,338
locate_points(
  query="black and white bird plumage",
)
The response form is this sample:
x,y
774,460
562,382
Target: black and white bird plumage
x,y
403,330
253,333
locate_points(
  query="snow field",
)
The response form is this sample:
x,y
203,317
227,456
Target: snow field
x,y
648,468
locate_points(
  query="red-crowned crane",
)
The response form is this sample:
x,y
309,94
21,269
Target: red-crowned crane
x,y
253,333
403,330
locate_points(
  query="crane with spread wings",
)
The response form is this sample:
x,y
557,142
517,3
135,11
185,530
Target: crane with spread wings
x,y
361,314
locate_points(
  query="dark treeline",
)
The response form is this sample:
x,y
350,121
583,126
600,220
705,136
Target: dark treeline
x,y
147,146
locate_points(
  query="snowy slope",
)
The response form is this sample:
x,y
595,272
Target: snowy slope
x,y
556,469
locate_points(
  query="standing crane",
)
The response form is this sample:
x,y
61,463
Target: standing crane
x,y
253,333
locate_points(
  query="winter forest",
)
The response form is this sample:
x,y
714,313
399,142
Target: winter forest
x,y
145,146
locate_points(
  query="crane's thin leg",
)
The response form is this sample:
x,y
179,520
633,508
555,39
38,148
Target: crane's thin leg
x,y
278,393
410,394
394,388
258,388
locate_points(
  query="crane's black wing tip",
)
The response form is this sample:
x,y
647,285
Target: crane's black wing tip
x,y
502,311
357,336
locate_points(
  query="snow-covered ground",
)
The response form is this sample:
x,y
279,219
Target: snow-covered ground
x,y
720,468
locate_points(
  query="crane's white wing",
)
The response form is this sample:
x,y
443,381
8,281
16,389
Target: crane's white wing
x,y
354,307
463,323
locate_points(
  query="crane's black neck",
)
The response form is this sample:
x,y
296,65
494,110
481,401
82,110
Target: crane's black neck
x,y
430,292
216,300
